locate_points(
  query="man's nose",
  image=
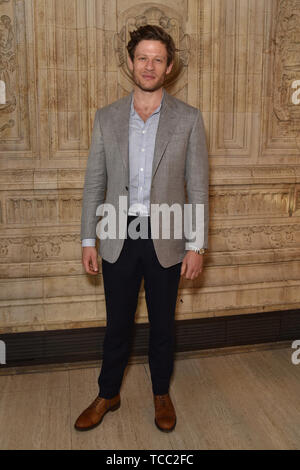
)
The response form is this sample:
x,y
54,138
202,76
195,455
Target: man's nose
x,y
149,64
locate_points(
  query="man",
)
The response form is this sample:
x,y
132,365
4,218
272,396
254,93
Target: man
x,y
145,147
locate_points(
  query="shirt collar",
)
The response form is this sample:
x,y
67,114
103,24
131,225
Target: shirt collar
x,y
157,110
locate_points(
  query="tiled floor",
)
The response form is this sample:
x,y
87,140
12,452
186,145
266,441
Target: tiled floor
x,y
240,401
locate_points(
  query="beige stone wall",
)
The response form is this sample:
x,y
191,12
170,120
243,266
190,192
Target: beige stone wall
x,y
62,59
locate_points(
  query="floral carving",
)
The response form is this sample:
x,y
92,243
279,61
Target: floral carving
x,y
287,59
7,67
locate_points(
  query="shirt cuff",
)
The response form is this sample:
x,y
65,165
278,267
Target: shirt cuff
x,y
189,246
89,242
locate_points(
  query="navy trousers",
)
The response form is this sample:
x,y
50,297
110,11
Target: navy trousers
x,y
122,281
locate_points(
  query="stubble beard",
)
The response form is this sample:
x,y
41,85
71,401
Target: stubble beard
x,y
157,86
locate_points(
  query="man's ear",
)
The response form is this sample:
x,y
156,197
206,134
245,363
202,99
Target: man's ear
x,y
169,68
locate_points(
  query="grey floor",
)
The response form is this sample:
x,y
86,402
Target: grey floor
x,y
249,400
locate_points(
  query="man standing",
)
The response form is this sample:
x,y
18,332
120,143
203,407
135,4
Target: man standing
x,y
145,147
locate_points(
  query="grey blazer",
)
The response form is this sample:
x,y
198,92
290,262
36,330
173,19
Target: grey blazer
x,y
179,171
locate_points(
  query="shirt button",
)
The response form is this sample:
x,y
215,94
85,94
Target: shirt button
x,y
142,169
143,150
144,132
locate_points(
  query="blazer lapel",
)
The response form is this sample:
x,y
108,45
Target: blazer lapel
x,y
121,128
166,126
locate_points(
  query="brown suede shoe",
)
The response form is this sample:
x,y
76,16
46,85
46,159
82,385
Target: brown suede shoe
x,y
93,415
165,416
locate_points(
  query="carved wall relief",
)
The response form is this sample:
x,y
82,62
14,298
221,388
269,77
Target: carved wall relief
x,y
281,117
287,59
183,20
167,19
18,113
7,70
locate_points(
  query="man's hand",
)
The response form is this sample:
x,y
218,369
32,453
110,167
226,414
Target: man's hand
x,y
89,259
192,265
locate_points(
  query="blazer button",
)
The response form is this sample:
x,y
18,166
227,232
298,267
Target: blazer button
x,y
126,187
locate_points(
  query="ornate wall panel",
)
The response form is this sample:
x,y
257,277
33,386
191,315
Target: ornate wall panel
x,y
280,137
62,59
18,112
72,68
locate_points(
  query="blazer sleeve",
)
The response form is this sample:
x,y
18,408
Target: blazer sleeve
x,y
197,183
94,183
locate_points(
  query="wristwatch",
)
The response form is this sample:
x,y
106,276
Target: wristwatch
x,y
199,251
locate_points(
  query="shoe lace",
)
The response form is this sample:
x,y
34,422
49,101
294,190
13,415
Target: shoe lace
x,y
95,402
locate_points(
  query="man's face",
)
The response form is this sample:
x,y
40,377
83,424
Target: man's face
x,y
149,67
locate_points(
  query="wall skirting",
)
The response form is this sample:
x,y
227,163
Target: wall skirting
x,y
85,344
